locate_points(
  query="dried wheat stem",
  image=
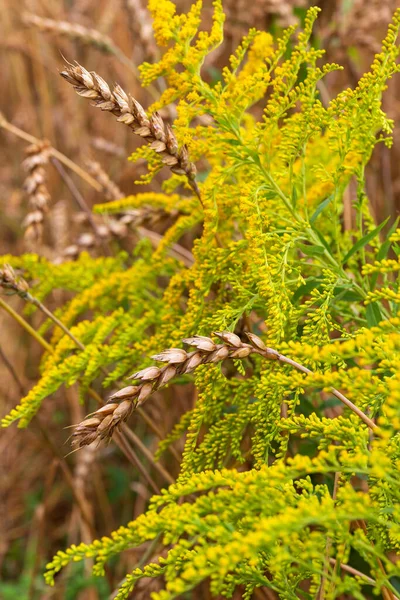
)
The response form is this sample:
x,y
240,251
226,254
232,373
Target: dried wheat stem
x,y
10,368
85,35
110,189
141,27
355,572
100,143
146,452
9,280
127,110
35,187
102,423
79,199
105,230
76,491
133,457
4,124
71,30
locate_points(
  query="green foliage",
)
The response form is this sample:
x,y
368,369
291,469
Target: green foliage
x,y
253,505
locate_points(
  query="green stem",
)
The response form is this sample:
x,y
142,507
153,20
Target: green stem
x,y
271,353
26,326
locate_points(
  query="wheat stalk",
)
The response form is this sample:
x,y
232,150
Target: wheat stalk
x,y
141,27
146,214
114,227
53,152
110,189
128,111
72,30
100,143
101,424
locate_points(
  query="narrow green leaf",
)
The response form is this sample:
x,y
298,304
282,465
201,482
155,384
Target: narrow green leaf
x,y
323,241
312,249
321,207
294,197
373,315
347,294
364,240
306,288
383,251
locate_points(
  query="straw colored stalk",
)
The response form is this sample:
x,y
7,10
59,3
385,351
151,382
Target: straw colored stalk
x,y
107,228
119,227
110,189
145,215
35,187
128,111
141,27
73,31
100,143
101,424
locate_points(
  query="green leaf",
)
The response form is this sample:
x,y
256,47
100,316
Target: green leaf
x,y
321,207
346,293
312,250
383,251
364,240
294,197
373,315
306,288
323,240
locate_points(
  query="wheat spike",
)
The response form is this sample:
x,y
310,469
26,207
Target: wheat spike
x,y
74,31
128,111
101,424
35,187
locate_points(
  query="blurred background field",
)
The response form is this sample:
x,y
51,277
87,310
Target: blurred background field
x,y
49,500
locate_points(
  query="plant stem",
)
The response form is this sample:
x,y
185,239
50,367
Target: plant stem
x,y
27,296
12,372
26,326
321,593
285,359
21,321
357,573
53,152
133,457
138,442
59,323
76,195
